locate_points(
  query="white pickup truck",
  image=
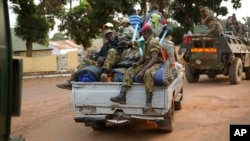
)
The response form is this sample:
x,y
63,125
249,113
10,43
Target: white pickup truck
x,y
91,103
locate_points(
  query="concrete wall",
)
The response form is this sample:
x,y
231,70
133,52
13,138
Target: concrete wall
x,y
48,63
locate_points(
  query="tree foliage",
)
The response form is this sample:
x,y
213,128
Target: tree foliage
x,y
32,25
78,25
187,12
84,22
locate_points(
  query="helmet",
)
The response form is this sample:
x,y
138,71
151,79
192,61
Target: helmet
x,y
125,20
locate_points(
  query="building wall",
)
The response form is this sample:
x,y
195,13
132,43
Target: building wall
x,y
49,63
34,53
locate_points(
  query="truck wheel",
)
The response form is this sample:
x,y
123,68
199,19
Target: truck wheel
x,y
247,72
235,71
191,77
167,125
178,104
99,126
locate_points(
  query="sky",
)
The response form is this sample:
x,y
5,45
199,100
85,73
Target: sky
x,y
240,13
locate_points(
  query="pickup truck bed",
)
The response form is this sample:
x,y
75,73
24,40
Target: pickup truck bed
x,y
93,107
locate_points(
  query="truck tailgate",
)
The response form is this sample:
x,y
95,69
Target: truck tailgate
x,y
93,98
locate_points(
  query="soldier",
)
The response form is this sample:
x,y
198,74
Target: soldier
x,y
206,14
232,24
105,27
145,68
107,57
109,54
214,28
128,30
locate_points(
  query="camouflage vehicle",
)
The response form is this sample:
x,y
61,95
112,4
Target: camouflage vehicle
x,y
226,54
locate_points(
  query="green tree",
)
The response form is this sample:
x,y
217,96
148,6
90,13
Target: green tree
x,y
58,36
32,23
84,22
188,15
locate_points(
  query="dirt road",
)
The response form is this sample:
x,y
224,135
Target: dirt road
x,y
209,107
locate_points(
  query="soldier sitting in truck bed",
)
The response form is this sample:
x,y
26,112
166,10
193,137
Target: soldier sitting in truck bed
x,y
144,69
108,56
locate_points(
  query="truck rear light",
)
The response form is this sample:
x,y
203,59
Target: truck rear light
x,y
186,39
205,50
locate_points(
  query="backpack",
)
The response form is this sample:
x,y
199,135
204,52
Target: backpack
x,y
155,22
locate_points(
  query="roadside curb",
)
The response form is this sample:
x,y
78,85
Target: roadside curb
x,y
46,76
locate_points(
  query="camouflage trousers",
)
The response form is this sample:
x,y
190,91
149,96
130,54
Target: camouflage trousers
x,y
86,62
148,77
111,60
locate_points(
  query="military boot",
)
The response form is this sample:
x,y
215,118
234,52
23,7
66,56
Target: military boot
x,y
148,106
121,97
65,85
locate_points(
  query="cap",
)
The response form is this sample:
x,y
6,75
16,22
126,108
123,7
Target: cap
x,y
108,24
145,27
108,31
125,20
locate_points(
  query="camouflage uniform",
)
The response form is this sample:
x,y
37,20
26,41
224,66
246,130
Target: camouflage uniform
x,y
207,12
110,51
150,46
131,53
215,28
129,31
230,25
110,60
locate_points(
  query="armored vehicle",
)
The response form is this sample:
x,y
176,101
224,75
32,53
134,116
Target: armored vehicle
x,y
226,54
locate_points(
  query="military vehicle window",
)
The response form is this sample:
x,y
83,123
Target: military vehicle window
x,y
208,44
197,44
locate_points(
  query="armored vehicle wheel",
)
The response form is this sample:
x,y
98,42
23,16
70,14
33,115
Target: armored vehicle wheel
x,y
191,77
99,126
235,71
167,125
247,72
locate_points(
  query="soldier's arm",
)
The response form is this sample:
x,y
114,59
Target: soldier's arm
x,y
153,60
207,15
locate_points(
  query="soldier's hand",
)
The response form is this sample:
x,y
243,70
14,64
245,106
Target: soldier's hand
x,y
134,65
135,44
140,75
101,60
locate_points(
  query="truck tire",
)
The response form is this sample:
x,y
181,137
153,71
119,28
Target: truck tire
x,y
178,104
167,125
191,77
247,72
235,71
99,126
